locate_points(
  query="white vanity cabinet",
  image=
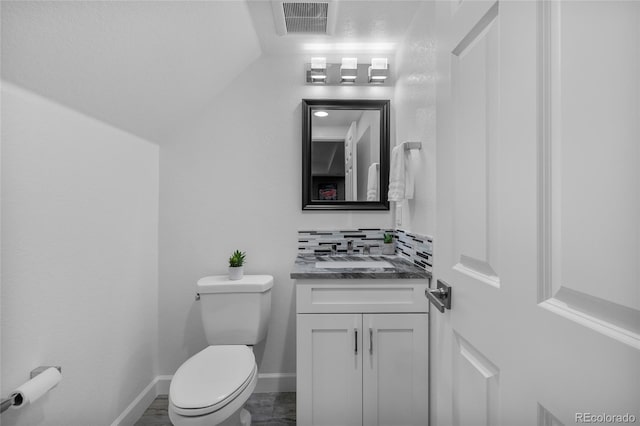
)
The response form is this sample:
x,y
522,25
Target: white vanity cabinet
x,y
362,352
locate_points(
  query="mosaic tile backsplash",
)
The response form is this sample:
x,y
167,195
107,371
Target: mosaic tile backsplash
x,y
320,242
414,247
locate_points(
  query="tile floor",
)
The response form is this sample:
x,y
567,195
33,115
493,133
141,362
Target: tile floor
x,y
267,409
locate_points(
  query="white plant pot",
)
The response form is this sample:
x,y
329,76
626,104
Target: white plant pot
x,y
236,272
388,248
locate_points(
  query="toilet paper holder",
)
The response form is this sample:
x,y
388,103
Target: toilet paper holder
x,y
42,368
8,402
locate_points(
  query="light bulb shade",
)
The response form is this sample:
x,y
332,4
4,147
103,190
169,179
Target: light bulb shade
x,y
318,71
349,70
318,64
378,71
349,63
377,75
379,63
317,77
348,73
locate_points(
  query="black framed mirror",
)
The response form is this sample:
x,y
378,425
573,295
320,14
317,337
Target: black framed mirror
x,y
345,154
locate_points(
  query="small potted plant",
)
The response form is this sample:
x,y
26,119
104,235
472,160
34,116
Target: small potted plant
x,y
236,265
389,246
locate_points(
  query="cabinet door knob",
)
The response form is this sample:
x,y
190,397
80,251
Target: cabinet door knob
x,y
371,340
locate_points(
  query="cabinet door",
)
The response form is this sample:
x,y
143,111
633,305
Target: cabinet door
x,y
329,369
395,369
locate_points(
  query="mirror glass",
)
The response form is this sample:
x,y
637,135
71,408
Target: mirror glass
x,y
345,154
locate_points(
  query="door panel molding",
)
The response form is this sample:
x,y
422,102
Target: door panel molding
x,y
477,31
555,293
482,271
545,418
475,80
478,399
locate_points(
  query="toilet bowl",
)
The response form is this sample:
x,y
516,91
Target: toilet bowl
x,y
212,386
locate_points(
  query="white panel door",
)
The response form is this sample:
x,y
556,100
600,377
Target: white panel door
x,y
395,375
538,212
329,369
351,163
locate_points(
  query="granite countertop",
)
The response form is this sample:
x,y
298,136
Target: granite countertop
x,y
305,268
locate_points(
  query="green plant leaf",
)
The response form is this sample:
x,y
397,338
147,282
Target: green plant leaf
x,y
237,259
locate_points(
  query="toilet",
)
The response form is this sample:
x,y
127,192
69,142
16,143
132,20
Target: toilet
x,y
212,386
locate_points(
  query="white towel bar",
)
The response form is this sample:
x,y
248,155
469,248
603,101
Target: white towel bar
x,y
412,145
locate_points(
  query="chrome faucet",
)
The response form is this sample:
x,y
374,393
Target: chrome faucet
x,y
350,247
366,249
334,249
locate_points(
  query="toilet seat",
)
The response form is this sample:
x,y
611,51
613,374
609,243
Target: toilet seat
x,y
211,379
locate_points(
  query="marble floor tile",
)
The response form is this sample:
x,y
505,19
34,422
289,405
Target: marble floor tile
x,y
284,407
260,405
267,409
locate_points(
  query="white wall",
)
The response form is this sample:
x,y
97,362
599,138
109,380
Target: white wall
x,y
232,180
79,260
142,66
415,117
328,132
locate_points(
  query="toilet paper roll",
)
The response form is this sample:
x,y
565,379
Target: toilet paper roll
x,y
32,390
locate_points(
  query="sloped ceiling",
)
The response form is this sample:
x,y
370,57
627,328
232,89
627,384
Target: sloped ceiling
x,y
142,66
148,67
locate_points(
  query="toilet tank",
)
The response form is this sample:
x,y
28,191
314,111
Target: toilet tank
x,y
235,312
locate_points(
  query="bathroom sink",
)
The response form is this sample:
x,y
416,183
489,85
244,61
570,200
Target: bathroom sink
x,y
354,264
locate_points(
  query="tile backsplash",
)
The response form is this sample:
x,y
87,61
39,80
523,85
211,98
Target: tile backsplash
x,y
416,248
319,242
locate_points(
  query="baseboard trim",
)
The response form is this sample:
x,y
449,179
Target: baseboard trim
x,y
162,387
140,403
267,382
276,382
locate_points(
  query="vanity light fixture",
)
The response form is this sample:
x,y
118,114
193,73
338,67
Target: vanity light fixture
x,y
349,70
318,70
321,113
378,71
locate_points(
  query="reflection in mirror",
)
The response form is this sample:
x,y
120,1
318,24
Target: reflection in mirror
x,y
345,155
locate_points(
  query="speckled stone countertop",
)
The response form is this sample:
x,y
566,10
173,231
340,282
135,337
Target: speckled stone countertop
x,y
305,268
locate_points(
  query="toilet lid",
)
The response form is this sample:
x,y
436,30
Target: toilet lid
x,y
212,377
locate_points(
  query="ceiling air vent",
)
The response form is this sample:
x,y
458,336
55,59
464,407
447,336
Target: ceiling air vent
x,y
304,17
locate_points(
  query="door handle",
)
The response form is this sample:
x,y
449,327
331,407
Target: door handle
x,y
371,340
440,296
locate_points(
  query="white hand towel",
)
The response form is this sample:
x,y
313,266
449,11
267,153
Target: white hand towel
x,y
396,174
408,175
400,178
372,182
